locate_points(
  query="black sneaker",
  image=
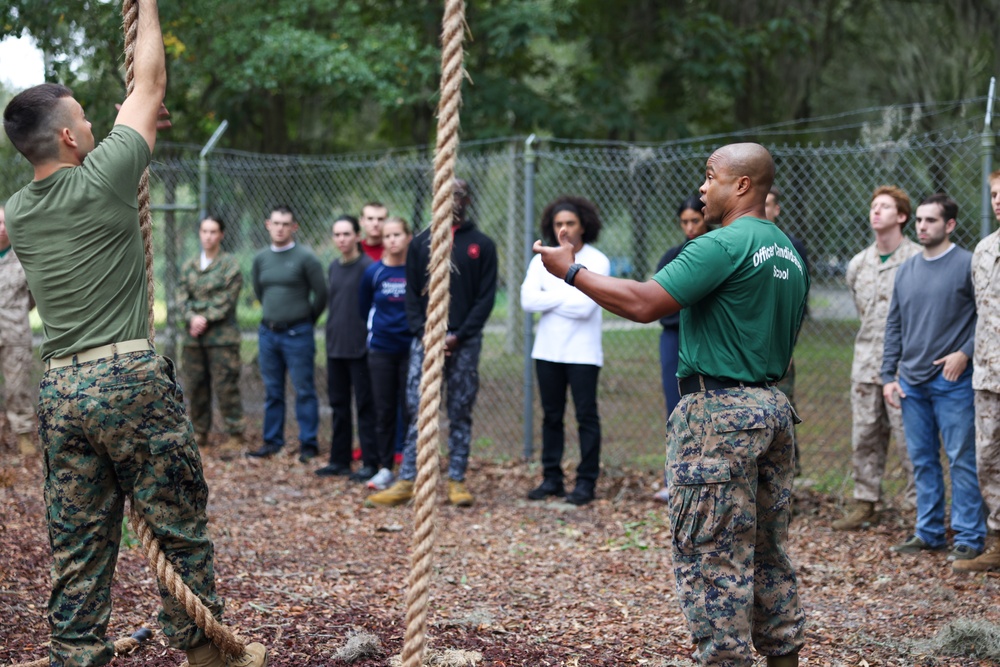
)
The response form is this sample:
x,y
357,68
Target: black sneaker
x,y
264,452
548,487
364,473
334,470
582,494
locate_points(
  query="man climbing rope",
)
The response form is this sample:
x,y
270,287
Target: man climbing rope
x,y
111,416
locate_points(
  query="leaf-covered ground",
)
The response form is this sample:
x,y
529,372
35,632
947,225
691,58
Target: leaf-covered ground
x,y
304,565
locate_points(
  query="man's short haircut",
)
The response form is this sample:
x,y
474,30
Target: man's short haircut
x,y
348,218
582,208
776,193
949,207
217,220
995,175
282,208
32,121
375,204
899,196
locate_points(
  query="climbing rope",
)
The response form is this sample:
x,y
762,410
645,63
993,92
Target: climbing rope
x,y
222,637
425,493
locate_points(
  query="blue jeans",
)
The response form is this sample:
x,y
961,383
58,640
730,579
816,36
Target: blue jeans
x,y
669,346
930,408
294,351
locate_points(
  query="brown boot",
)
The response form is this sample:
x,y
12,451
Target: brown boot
x,y
26,444
207,655
459,494
862,515
201,439
232,447
790,660
988,561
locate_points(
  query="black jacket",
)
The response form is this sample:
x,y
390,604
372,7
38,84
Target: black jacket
x,y
473,281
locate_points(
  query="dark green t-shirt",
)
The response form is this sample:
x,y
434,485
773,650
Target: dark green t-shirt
x,y
743,290
77,235
290,284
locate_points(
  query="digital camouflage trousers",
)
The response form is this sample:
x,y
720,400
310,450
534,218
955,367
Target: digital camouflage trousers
x,y
111,429
730,464
213,369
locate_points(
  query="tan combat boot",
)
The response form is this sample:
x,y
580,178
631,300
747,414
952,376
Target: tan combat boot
x,y
232,447
459,495
862,515
26,444
207,655
988,561
397,494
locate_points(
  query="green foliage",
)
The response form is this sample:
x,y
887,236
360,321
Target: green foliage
x,y
320,76
129,539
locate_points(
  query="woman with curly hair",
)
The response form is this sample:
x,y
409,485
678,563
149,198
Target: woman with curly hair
x,y
567,349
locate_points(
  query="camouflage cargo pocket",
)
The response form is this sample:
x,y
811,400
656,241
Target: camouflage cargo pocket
x,y
143,403
700,513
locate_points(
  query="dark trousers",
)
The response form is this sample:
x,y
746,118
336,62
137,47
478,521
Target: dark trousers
x,y
388,372
553,378
342,375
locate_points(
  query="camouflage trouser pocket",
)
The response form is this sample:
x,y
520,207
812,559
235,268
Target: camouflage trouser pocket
x,y
144,402
700,513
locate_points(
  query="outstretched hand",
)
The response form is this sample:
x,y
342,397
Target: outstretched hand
x,y
556,260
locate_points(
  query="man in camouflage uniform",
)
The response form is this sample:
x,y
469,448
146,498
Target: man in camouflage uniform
x,y
741,291
111,415
16,360
209,288
986,383
870,277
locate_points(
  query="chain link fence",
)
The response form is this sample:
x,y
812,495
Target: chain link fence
x,y
826,188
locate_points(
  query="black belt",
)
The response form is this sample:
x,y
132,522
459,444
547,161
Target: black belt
x,y
696,383
283,326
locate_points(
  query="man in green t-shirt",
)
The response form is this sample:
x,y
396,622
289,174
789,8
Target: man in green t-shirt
x,y
741,291
111,415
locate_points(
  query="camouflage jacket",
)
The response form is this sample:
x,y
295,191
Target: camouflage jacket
x,y
870,283
15,302
211,293
986,281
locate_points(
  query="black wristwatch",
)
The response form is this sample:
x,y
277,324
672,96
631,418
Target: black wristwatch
x,y
571,274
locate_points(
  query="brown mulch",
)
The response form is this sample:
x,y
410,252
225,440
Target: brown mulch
x,y
303,565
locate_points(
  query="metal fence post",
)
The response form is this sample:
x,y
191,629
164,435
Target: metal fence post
x,y
203,169
987,143
512,265
529,234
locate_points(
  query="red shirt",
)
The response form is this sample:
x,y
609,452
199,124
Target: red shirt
x,y
373,251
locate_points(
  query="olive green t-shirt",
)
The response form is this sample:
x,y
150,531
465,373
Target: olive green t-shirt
x,y
743,290
77,235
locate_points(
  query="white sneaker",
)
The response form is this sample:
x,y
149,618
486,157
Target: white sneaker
x,y
382,480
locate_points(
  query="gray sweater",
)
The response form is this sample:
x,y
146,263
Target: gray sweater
x,y
933,313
